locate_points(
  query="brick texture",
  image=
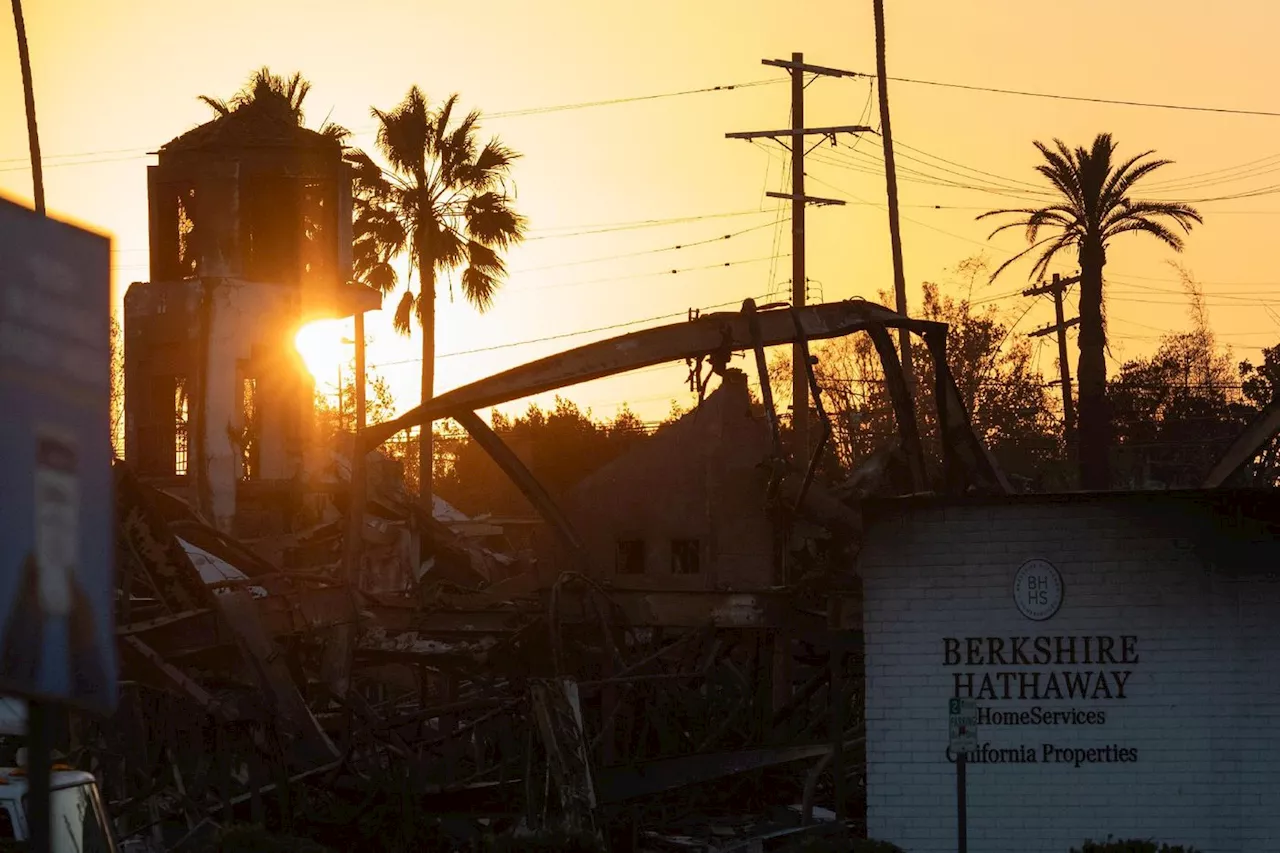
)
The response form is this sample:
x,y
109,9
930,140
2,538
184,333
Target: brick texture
x,y
1202,704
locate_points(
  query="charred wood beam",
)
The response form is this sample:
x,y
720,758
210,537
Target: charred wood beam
x,y
524,480
175,677
559,716
146,538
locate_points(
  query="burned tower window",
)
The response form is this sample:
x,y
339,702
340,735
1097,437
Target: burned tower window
x,y
630,556
684,556
180,422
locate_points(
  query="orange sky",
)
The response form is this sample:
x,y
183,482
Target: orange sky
x,y
114,80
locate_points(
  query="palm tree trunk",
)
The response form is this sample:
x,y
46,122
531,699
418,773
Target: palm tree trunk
x,y
1094,417
28,92
427,318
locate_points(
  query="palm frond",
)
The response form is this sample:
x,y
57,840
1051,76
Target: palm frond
x,y
440,121
488,168
405,309
492,221
381,276
484,258
1020,255
218,105
479,287
1062,243
1143,225
334,131
1183,214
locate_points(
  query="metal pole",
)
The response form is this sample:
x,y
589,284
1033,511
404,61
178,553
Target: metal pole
x,y
799,376
39,769
962,807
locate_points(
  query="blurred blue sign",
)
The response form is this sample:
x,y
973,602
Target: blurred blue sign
x,y
57,544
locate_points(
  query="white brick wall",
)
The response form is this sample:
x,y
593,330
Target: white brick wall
x,y
1203,700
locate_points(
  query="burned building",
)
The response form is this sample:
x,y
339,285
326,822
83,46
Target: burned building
x,y
685,509
250,238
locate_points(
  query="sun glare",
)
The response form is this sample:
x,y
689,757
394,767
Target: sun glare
x,y
321,346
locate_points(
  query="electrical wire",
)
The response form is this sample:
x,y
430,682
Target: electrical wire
x,y
540,288
644,252
553,108
1112,101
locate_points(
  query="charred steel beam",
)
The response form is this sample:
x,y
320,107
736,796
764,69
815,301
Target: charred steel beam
x,y
802,344
762,372
1246,446
903,406
281,615
674,342
963,451
524,480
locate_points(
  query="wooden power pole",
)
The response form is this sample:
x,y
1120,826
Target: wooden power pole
x,y
1057,288
796,135
891,186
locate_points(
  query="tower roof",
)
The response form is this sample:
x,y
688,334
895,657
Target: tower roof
x,y
258,123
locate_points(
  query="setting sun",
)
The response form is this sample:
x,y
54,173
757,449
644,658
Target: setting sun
x,y
324,348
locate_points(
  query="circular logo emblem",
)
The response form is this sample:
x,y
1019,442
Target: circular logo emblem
x,y
1037,590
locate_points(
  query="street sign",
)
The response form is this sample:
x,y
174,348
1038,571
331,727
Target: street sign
x,y
964,725
57,545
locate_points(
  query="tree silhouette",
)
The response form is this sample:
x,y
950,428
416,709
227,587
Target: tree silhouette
x,y
443,202
1177,411
1010,404
1094,205
282,95
561,445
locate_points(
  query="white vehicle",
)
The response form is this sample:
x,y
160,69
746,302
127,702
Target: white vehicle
x,y
80,822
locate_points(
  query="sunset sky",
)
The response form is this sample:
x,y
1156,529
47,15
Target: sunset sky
x,y
117,79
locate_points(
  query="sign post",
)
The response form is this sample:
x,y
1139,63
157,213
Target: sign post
x,y
963,715
57,578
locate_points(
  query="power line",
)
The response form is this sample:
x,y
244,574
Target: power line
x,y
1113,101
643,252
630,100
552,108
540,288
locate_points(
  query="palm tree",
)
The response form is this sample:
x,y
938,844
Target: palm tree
x,y
443,202
271,91
1094,204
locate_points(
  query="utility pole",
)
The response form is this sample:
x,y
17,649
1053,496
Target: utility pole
x,y
40,714
1057,288
360,370
891,184
796,136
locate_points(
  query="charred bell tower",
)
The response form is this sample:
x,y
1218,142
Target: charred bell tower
x,y
250,237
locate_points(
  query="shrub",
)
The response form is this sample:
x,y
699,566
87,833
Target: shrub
x,y
841,843
1131,845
